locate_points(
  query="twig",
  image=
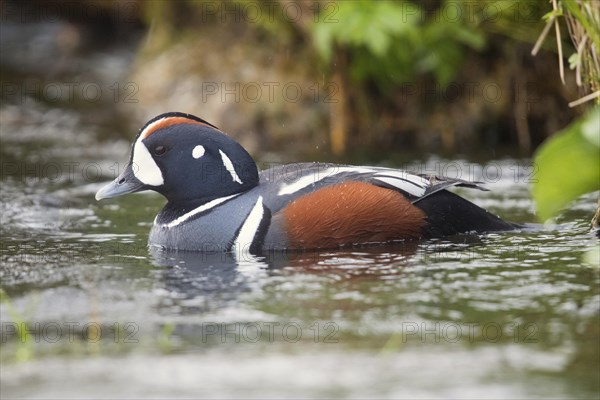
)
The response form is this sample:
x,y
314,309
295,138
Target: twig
x,y
579,61
561,67
584,99
543,35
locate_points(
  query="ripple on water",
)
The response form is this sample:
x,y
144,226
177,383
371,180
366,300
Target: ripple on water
x,y
413,373
82,261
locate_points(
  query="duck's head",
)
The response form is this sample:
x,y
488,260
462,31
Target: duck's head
x,y
186,159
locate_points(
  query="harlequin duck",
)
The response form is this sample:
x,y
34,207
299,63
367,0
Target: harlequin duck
x,y
218,200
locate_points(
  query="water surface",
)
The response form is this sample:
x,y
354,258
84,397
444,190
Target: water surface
x,y
89,310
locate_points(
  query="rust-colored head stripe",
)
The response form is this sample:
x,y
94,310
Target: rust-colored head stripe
x,y
166,122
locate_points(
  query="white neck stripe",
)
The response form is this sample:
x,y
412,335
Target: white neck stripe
x,y
229,167
198,210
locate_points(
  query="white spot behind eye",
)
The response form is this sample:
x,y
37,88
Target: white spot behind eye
x,y
198,151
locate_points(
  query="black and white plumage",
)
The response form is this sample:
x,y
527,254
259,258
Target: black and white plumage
x,y
218,201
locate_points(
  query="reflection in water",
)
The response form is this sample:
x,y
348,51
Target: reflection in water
x,y
203,281
347,263
192,274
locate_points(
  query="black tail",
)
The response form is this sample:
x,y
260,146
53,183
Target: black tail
x,y
450,214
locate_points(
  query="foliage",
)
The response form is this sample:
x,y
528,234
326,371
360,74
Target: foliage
x,y
391,42
586,15
583,20
568,165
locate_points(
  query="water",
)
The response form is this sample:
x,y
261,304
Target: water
x,y
501,315
88,311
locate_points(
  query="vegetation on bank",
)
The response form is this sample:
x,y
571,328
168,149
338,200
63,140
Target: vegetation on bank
x,y
569,162
451,76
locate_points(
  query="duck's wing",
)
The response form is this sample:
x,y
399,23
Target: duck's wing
x,y
416,187
285,183
327,205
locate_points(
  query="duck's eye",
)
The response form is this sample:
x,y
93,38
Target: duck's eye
x,y
160,150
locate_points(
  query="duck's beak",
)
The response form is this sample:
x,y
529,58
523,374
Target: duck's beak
x,y
123,184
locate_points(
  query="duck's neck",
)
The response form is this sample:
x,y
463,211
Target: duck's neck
x,y
181,210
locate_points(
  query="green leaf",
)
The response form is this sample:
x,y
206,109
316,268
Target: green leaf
x,y
553,14
568,165
323,38
573,60
377,42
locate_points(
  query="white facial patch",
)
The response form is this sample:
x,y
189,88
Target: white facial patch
x,y
144,167
229,167
198,151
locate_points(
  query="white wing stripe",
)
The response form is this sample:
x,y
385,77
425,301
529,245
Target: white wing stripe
x,y
400,179
317,176
403,184
417,180
403,180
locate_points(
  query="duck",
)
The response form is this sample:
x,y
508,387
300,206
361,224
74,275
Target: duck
x,y
217,200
